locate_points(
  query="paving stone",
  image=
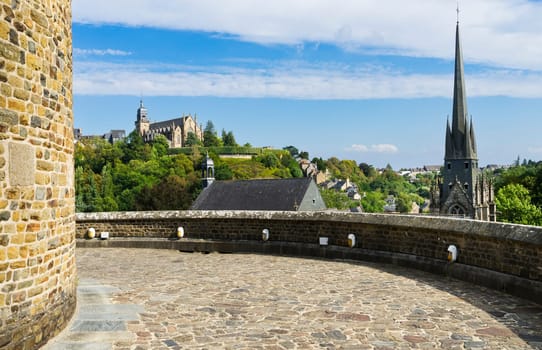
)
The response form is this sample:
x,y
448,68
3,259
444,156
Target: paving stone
x,y
81,346
245,301
98,326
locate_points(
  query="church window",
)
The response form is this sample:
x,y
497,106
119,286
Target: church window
x,y
466,185
450,185
466,165
449,166
456,210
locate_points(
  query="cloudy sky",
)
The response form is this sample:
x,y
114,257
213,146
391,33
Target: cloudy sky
x,y
356,79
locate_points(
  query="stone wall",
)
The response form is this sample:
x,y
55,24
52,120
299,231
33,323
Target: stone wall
x,y
37,216
512,253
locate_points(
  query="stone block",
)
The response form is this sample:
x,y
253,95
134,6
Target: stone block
x,y
21,164
5,215
9,117
21,94
45,166
13,252
34,62
16,105
9,51
19,264
35,291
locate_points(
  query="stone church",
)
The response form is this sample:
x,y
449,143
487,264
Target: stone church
x,y
462,189
176,130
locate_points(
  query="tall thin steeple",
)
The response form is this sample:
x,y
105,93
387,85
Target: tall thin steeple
x,y
460,139
461,190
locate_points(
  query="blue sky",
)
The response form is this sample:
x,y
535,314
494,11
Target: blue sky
x,y
356,79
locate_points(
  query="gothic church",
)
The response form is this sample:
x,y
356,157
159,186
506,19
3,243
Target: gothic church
x,y
462,190
176,131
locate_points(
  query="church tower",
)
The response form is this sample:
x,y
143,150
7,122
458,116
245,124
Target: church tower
x,y
142,123
463,189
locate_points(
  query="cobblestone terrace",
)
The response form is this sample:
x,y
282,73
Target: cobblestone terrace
x,y
165,299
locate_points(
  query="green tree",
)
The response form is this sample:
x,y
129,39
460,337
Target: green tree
x,y
373,202
368,170
223,172
108,202
269,160
192,140
295,170
514,206
294,152
134,147
209,136
320,163
228,139
403,203
337,200
304,155
160,146
171,193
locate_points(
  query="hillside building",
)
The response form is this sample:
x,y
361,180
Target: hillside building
x,y
297,194
176,131
112,136
462,189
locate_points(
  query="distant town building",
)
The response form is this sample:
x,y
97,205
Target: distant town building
x,y
432,168
310,169
115,135
111,136
297,194
462,189
176,131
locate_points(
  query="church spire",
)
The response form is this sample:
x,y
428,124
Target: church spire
x,y
462,142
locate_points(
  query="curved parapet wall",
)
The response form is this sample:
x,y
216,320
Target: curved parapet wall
x,y
501,256
37,208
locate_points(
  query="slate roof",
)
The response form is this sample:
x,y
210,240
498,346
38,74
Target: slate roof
x,y
266,194
178,122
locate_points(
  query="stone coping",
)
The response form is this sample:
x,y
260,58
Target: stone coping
x,y
520,233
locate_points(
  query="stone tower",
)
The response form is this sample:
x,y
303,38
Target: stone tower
x,y
37,206
463,189
142,123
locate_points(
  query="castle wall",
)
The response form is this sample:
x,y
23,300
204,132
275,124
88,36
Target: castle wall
x,y
37,245
502,256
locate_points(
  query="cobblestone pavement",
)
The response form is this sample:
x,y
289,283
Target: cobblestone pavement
x,y
163,299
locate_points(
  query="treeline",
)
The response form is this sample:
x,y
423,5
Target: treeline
x,y
519,193
375,186
134,175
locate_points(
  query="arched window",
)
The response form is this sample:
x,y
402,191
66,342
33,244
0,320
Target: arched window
x,y
456,210
210,171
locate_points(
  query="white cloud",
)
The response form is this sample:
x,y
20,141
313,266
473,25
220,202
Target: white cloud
x,y
503,33
98,52
358,148
300,82
380,148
